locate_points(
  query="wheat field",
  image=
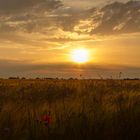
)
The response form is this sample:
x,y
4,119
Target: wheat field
x,y
77,109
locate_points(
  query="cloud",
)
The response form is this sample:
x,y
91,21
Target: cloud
x,y
27,16
117,18
11,6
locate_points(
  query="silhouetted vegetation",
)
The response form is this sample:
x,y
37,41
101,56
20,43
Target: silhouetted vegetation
x,y
72,109
13,78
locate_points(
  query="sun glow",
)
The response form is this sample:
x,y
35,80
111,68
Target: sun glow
x,y
80,55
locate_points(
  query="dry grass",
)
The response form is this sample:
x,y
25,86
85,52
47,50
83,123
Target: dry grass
x,y
80,109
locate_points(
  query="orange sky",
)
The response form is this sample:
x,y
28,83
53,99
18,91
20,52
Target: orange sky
x,y
40,36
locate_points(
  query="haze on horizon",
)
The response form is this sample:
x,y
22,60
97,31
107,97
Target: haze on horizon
x,y
38,36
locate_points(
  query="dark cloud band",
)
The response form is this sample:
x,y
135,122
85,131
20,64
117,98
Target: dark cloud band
x,y
11,6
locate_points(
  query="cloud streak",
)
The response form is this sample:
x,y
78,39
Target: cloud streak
x,y
66,70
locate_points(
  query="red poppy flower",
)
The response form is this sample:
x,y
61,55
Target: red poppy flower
x,y
46,119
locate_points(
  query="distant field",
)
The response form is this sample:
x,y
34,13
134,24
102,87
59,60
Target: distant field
x,y
77,109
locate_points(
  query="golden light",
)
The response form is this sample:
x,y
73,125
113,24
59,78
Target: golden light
x,y
80,55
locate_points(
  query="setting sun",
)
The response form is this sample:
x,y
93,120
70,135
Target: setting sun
x,y
80,55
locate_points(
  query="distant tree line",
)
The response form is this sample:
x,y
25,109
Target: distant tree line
x,y
71,78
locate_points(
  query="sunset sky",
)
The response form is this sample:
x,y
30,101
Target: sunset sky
x,y
37,38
